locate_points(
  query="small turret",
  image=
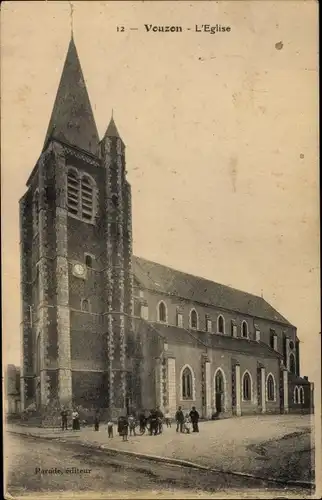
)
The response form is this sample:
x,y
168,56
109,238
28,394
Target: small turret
x,y
111,130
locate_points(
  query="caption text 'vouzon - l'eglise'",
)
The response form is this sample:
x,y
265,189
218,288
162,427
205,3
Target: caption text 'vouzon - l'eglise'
x,y
199,28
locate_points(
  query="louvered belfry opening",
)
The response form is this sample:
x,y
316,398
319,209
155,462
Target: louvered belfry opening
x,y
72,192
80,195
86,198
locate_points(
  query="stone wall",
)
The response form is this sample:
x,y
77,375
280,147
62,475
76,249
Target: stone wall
x,y
173,303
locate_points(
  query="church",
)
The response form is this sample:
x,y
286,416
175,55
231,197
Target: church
x,y
102,328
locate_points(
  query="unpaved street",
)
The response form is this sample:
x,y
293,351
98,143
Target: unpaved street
x,y
108,474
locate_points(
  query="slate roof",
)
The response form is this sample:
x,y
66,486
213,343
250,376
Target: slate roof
x,y
175,335
163,279
72,118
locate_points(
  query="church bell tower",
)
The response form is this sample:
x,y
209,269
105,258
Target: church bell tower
x,y
76,257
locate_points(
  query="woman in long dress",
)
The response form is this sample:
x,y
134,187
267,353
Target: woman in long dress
x,y
75,417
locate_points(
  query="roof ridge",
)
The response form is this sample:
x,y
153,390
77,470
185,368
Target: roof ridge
x,y
203,290
200,277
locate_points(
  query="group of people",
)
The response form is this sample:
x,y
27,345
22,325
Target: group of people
x,y
185,421
75,419
153,421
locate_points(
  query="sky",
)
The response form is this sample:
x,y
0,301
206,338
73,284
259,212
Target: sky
x,y
221,133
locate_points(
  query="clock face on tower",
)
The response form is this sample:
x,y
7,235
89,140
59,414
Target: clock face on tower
x,y
79,270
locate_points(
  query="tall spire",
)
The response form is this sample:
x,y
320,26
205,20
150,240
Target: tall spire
x,y
72,117
71,20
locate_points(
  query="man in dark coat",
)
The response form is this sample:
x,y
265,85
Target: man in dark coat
x,y
179,419
153,422
97,420
194,416
123,426
142,420
160,420
64,415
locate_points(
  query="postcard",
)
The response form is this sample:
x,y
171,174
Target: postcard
x,y
160,255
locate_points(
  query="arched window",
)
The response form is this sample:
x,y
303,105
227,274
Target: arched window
x,y
187,383
35,209
88,260
270,387
85,305
247,387
193,319
301,395
221,324
162,312
292,363
219,382
80,195
244,329
296,397
114,200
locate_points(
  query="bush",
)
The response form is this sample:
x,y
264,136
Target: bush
x,y
86,415
31,408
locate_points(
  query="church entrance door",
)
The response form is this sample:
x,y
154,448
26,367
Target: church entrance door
x,y
219,402
219,392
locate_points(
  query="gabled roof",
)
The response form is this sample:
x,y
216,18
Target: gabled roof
x,y
166,280
72,118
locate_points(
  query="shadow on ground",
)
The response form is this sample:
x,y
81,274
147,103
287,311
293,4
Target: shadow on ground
x,y
293,457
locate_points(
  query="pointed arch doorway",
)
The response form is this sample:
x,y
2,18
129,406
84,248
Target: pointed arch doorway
x,y
219,393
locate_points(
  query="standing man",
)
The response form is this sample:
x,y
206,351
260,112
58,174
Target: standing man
x,y
153,422
64,415
179,419
160,420
123,427
142,420
194,416
97,420
167,417
132,424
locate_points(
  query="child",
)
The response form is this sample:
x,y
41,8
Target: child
x,y
186,424
167,418
110,428
97,421
132,425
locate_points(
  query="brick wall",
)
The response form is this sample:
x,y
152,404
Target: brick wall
x,y
87,389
